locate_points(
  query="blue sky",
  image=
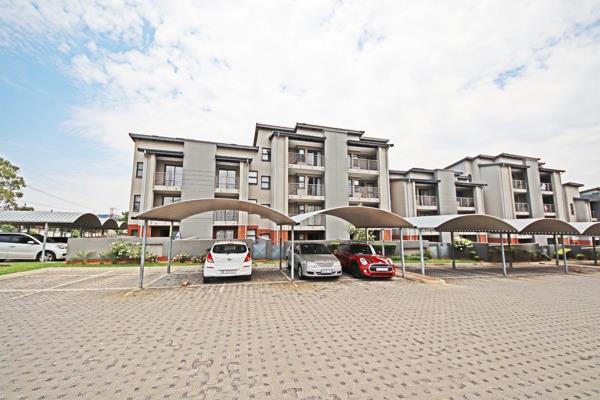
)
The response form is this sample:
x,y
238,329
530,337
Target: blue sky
x,y
442,81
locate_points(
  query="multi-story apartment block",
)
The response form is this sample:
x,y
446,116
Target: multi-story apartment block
x,y
293,170
312,167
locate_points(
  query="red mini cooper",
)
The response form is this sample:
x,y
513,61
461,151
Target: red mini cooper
x,y
360,260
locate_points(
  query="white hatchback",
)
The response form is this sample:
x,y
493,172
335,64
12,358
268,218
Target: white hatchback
x,y
228,259
22,246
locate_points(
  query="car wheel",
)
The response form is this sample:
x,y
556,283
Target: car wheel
x,y
300,274
49,256
356,271
205,279
248,278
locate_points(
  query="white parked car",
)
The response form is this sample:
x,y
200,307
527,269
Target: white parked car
x,y
23,246
314,260
228,259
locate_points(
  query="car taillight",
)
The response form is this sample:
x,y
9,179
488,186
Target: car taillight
x,y
209,258
248,258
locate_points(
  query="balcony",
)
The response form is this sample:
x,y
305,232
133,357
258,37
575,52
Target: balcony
x,y
314,221
306,191
229,185
522,208
306,159
362,166
427,201
167,181
546,187
226,217
465,202
519,184
549,209
365,194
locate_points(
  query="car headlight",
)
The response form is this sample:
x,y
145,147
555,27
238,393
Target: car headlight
x,y
310,264
390,261
337,264
363,261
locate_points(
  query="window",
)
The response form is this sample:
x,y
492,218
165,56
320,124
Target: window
x,y
227,179
265,182
253,178
301,181
224,234
170,200
139,169
5,238
135,232
266,205
229,248
136,202
266,154
253,201
251,234
572,208
173,175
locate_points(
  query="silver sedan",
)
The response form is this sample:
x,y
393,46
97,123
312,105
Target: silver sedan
x,y
314,260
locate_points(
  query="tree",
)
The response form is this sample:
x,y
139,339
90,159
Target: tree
x,y
124,216
360,234
11,185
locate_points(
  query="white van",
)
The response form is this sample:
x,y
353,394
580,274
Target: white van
x,y
22,246
228,259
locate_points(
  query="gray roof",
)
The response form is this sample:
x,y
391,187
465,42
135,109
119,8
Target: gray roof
x,y
541,226
109,223
462,223
52,218
361,217
588,228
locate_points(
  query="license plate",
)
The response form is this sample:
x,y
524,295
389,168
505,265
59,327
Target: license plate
x,y
381,269
326,271
229,271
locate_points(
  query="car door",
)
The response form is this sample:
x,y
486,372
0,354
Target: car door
x,y
344,255
23,247
4,243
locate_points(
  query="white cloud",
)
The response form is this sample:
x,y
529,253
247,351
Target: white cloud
x,y
442,80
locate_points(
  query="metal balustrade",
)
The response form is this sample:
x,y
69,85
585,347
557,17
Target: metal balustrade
x,y
315,220
298,189
549,208
465,202
226,215
546,187
310,159
363,163
168,179
519,184
521,207
427,201
227,183
365,192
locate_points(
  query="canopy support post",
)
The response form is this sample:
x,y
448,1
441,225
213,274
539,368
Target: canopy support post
x,y
510,254
421,252
556,249
44,242
402,251
594,249
143,254
502,254
280,245
170,252
292,266
562,241
452,250
382,244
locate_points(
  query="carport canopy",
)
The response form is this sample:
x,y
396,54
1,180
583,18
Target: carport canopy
x,y
109,223
587,228
543,226
462,223
52,218
186,208
361,217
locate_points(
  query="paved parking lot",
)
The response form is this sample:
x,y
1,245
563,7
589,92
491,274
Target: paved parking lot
x,y
84,333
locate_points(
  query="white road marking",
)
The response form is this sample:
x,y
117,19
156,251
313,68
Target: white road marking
x,y
157,279
61,285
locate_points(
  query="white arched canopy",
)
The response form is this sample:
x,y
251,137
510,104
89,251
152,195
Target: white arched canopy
x,y
361,217
52,218
543,226
187,208
109,223
462,223
587,228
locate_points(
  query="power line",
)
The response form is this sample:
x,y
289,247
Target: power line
x,y
60,198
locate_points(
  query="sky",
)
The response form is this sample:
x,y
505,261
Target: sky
x,y
441,80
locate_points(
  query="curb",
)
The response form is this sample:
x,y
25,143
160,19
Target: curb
x,y
410,276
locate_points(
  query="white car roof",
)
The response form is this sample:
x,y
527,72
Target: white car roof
x,y
229,242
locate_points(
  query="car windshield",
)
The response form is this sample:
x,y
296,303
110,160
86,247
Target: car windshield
x,y
229,248
314,248
41,238
361,249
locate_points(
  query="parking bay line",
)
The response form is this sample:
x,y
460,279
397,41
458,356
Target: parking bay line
x,y
58,286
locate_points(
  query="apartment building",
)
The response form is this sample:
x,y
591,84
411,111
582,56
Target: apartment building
x,y
592,197
291,169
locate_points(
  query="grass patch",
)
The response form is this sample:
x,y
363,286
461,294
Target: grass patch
x,y
18,266
417,260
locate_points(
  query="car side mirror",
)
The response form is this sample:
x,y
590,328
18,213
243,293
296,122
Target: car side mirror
x,y
30,242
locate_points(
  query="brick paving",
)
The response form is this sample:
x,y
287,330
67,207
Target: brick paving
x,y
525,337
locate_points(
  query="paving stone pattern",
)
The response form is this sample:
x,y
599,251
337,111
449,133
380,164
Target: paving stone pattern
x,y
488,338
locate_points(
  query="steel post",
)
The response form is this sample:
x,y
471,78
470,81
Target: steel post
x,y
280,245
556,250
594,249
421,252
452,250
402,252
562,240
502,254
143,253
510,254
170,252
382,245
44,242
292,266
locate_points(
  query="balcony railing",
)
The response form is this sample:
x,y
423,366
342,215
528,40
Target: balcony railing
x,y
549,208
310,159
521,207
363,163
427,201
519,184
168,179
546,187
466,202
227,183
364,192
298,189
316,220
226,215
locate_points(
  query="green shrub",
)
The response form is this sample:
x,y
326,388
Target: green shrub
x,y
333,245
122,250
84,256
476,258
182,258
472,254
461,244
427,254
